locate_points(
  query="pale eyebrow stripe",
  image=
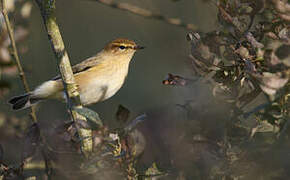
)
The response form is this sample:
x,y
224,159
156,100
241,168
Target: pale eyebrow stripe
x,y
126,46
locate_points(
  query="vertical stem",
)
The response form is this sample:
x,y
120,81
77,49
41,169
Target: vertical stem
x,y
47,9
15,54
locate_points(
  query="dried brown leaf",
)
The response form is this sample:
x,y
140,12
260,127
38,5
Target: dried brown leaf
x,y
175,80
122,114
270,83
253,41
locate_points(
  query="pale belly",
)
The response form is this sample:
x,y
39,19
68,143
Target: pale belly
x,y
100,89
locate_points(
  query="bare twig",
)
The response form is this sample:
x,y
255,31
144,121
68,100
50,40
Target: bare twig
x,y
15,54
21,72
47,9
147,14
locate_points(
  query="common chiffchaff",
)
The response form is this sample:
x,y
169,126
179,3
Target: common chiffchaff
x,y
98,78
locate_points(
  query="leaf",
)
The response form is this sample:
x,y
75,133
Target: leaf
x,y
249,66
122,114
134,144
253,41
134,123
176,80
153,173
270,82
264,126
31,142
271,58
94,121
284,35
243,52
283,51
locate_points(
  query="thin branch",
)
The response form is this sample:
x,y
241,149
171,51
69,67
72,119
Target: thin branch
x,y
147,14
15,55
21,72
47,9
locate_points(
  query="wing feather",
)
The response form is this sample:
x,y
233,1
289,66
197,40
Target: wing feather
x,y
84,65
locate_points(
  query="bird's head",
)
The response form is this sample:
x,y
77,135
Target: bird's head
x,y
122,47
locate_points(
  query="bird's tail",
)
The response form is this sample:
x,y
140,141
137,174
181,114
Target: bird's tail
x,y
23,101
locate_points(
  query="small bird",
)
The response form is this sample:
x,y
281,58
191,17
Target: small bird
x,y
98,78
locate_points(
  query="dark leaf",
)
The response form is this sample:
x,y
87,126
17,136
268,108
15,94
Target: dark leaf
x,y
258,6
92,117
247,98
283,51
250,67
243,52
270,58
175,80
154,173
134,144
31,142
264,126
270,82
203,51
284,35
253,41
122,114
13,174
134,123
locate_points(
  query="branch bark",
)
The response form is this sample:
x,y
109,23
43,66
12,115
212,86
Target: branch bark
x,y
47,9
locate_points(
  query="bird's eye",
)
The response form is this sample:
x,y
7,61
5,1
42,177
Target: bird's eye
x,y
122,47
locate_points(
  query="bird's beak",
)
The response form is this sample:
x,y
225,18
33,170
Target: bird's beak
x,y
138,47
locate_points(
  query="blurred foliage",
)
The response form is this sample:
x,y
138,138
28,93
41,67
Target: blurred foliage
x,y
246,63
248,56
20,11
118,148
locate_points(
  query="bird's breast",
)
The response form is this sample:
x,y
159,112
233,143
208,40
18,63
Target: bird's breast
x,y
100,82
